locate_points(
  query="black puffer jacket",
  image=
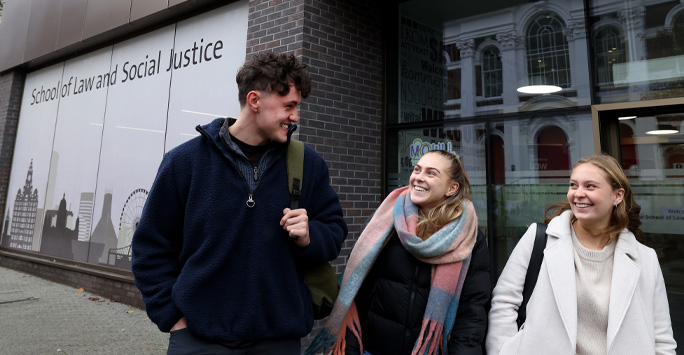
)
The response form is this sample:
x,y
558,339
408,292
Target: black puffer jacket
x,y
392,301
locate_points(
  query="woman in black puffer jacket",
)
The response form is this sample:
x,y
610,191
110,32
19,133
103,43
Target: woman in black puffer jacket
x,y
417,280
392,301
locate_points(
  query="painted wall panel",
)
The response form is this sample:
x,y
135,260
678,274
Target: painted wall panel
x,y
71,19
142,8
43,27
209,50
133,138
31,163
176,2
13,33
76,155
104,15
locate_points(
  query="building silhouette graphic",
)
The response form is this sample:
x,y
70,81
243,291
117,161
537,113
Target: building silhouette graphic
x,y
24,214
57,237
85,215
104,235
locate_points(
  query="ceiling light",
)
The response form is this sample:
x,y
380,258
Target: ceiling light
x,y
663,129
539,89
626,118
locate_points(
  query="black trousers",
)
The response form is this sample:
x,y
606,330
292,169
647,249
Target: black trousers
x,y
182,342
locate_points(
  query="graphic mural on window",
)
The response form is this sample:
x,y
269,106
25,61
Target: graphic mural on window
x,y
92,131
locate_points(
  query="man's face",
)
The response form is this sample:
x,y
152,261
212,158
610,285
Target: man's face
x,y
276,113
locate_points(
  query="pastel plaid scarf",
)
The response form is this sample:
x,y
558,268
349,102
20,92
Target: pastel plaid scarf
x,y
449,248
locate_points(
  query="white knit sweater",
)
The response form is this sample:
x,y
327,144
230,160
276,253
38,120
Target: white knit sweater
x,y
593,275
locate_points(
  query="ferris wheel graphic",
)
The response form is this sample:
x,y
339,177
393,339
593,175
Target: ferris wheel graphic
x,y
128,222
130,216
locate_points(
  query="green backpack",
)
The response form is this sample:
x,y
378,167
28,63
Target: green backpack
x,y
321,279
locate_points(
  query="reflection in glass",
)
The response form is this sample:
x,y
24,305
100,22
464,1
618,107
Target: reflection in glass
x,y
610,50
655,168
548,61
491,72
639,51
459,68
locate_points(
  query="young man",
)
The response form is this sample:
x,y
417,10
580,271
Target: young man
x,y
218,256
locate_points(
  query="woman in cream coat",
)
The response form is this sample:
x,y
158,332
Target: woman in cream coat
x,y
599,290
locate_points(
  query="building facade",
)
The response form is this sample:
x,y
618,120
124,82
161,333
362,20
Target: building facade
x,y
92,94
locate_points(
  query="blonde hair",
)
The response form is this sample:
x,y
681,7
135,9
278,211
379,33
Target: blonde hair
x,y
452,207
625,215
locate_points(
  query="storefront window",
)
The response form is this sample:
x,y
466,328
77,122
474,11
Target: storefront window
x,y
639,50
460,87
84,161
459,69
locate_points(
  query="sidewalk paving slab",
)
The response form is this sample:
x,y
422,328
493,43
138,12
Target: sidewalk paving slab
x,y
38,316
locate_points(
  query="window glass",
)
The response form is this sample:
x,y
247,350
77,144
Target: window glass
x,y
460,70
652,150
610,52
491,72
639,50
93,130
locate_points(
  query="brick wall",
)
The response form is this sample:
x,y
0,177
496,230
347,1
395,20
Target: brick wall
x,y
341,42
275,26
11,87
342,119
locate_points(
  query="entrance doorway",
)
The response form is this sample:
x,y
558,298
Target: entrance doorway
x,y
647,138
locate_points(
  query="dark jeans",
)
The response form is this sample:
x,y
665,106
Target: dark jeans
x,y
182,342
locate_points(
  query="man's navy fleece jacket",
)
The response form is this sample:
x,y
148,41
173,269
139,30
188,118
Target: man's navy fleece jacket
x,y
232,271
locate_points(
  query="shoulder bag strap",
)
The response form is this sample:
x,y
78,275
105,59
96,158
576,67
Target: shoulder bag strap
x,y
532,271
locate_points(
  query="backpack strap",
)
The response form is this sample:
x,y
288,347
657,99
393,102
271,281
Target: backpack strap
x,y
295,171
533,270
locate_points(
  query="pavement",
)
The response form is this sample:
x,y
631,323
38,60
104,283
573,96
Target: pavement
x,y
43,317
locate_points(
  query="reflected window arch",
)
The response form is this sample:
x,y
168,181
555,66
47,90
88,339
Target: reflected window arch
x,y
552,149
678,33
492,76
674,159
611,49
628,148
548,58
498,160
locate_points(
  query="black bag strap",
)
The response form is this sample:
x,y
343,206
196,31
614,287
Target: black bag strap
x,y
295,171
533,270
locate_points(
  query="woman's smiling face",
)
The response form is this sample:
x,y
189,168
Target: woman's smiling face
x,y
430,183
592,197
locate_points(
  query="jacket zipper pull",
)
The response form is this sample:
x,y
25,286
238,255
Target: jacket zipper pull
x,y
250,202
256,171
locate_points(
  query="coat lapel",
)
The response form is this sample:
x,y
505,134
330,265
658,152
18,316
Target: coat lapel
x,y
623,285
562,277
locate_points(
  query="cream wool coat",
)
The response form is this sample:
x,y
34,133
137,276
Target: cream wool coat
x,y
638,315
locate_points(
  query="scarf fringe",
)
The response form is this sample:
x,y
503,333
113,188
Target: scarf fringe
x,y
351,322
430,339
322,340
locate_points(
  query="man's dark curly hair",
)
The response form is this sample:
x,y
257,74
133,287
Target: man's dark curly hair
x,y
272,72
